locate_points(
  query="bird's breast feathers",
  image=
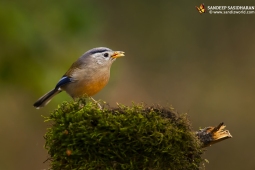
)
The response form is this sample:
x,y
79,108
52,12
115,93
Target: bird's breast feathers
x,y
86,84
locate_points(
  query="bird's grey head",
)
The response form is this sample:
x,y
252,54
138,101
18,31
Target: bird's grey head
x,y
103,55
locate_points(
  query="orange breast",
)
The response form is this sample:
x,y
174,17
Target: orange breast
x,y
86,87
92,88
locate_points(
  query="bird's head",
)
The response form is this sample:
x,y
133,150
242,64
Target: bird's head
x,y
103,55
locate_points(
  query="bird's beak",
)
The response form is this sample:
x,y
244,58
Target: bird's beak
x,y
118,54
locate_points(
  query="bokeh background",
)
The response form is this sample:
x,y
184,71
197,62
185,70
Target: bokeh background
x,y
203,65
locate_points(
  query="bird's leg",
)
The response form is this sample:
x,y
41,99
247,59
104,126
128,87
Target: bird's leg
x,y
100,107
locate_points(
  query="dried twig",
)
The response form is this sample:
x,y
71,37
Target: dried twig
x,y
211,135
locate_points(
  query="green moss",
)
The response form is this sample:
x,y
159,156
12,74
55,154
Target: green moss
x,y
136,137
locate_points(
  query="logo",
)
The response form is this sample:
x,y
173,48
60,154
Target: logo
x,y
215,9
201,8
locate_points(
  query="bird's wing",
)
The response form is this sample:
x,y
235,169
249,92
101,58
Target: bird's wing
x,y
71,74
76,65
64,80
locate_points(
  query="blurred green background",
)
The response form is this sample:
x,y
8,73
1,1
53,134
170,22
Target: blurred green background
x,y
201,64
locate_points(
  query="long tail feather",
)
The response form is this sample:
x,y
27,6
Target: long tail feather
x,y
45,99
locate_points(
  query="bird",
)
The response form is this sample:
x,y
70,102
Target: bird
x,y
86,76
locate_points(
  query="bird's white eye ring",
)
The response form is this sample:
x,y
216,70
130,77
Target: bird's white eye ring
x,y
106,54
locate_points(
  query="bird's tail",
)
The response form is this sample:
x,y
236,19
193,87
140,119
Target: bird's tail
x,y
45,99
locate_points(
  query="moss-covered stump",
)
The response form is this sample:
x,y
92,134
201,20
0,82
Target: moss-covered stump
x,y
137,137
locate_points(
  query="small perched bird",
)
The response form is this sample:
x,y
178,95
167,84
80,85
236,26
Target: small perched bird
x,y
87,76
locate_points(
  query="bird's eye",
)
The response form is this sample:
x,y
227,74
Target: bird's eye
x,y
106,54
